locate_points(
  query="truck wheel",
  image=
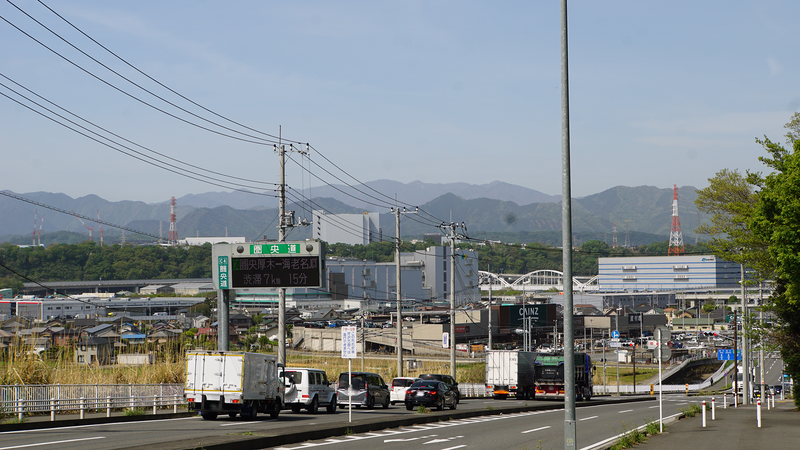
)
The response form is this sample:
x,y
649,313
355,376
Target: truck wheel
x,y
253,411
209,416
314,406
276,409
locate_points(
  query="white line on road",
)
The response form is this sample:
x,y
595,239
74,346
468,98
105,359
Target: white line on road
x,y
454,448
587,418
53,442
536,429
237,423
627,410
94,425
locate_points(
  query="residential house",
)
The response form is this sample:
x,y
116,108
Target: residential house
x,y
94,350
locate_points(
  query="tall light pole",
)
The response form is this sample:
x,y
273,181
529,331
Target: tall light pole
x,y
570,432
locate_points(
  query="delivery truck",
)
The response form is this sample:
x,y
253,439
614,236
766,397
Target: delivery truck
x,y
226,382
550,376
510,372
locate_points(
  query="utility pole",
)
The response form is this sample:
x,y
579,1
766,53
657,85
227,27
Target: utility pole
x,y
284,222
570,431
488,269
450,231
745,364
399,346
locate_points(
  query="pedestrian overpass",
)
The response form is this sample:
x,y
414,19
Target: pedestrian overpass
x,y
536,281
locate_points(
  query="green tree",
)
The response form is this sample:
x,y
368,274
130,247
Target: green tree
x,y
730,199
775,220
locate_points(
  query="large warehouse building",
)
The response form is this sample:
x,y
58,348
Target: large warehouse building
x,y
667,273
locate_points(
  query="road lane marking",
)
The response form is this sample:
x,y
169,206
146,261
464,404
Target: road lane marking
x,y
454,448
237,423
627,410
52,442
536,429
95,425
587,418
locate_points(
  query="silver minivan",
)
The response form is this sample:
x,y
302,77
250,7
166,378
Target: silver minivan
x,y
362,389
309,389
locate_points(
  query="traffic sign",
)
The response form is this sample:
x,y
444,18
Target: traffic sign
x,y
652,344
663,334
615,344
615,334
726,354
349,350
663,353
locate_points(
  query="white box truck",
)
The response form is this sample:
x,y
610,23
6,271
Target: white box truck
x,y
225,382
510,372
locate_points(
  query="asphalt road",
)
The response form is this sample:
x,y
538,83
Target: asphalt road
x,y
596,426
594,422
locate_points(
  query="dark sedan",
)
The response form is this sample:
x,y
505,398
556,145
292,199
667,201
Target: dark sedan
x,y
430,393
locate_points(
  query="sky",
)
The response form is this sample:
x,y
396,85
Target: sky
x,y
661,93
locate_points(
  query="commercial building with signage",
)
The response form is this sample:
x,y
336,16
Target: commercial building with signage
x,y
690,272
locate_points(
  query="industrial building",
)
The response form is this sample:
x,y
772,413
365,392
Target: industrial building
x,y
673,273
361,229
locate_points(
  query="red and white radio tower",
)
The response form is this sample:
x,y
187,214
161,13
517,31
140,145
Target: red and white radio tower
x,y
675,235
172,238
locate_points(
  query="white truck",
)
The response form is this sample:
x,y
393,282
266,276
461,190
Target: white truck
x,y
510,372
225,382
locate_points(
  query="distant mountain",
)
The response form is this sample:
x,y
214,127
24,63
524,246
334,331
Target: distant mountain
x,y
414,193
645,210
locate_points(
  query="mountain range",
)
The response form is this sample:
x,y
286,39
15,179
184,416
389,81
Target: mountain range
x,y
496,210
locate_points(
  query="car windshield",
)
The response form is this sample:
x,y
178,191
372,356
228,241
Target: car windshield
x,y
359,381
294,377
402,382
425,384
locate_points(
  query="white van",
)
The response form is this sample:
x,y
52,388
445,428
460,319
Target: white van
x,y
309,389
397,392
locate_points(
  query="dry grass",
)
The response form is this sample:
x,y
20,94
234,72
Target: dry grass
x,y
58,367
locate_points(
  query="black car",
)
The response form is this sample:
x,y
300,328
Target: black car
x,y
430,393
446,379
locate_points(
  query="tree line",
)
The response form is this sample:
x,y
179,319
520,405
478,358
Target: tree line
x,y
88,261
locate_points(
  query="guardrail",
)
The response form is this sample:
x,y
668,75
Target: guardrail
x,y
59,398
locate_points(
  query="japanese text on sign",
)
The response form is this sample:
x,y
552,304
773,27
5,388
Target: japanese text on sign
x,y
284,271
349,343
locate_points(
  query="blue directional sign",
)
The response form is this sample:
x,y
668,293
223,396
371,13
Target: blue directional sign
x,y
615,334
727,355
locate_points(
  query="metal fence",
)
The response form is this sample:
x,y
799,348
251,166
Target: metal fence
x,y
82,398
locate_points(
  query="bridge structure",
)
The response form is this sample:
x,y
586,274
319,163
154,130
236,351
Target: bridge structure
x,y
536,281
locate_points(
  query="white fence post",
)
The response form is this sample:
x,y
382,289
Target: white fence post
x,y
155,403
83,407
713,408
758,413
20,408
108,406
52,409
704,413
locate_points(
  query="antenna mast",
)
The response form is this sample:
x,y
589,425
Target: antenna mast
x,y
172,237
675,235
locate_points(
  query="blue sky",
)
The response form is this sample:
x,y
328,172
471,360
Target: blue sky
x,y
661,93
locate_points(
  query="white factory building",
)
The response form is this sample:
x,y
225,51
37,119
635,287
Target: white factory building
x,y
674,273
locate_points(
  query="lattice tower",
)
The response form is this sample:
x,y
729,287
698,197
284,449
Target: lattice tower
x,y
172,237
675,235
